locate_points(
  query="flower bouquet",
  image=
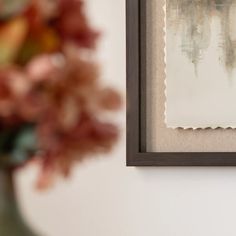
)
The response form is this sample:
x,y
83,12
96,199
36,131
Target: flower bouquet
x,y
51,101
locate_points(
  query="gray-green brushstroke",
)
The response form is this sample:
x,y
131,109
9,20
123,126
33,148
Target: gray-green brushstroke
x,y
193,18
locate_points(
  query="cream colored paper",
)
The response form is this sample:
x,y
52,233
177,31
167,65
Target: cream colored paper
x,y
200,64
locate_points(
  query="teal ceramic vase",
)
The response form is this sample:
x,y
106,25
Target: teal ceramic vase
x,y
11,221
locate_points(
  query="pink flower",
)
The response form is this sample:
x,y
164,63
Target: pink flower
x,y
44,66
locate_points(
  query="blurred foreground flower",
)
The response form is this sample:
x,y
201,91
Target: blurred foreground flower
x,y
51,102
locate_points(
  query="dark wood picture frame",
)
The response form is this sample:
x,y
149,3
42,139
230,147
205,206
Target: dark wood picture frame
x,y
136,107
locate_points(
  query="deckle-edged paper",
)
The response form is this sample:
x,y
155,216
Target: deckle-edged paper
x,y
200,63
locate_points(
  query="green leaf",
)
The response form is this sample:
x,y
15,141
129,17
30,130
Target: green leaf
x,y
12,7
25,145
17,145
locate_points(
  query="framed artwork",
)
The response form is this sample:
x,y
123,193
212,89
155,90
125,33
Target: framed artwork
x,y
181,82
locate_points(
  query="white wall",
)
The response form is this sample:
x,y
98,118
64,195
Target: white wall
x,y
105,198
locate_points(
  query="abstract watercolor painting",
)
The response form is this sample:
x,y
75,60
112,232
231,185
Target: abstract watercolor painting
x,y
200,63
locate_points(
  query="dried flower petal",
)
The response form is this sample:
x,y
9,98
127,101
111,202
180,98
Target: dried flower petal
x,y
109,99
43,67
73,25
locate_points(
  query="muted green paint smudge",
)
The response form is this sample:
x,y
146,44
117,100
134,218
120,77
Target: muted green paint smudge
x,y
193,18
